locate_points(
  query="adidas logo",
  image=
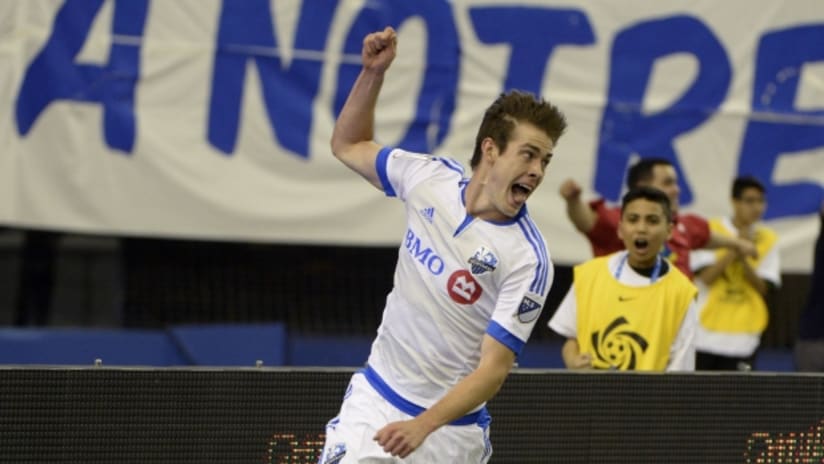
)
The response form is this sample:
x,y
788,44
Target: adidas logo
x,y
428,214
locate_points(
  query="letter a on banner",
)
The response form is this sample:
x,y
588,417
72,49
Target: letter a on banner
x,y
54,75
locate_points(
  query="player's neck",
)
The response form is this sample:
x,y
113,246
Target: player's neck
x,y
642,267
649,271
741,224
645,267
477,203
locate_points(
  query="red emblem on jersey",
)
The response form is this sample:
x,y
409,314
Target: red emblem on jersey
x,y
463,288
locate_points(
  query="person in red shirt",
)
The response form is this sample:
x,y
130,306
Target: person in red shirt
x,y
599,221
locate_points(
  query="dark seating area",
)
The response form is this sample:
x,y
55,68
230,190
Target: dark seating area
x,y
326,302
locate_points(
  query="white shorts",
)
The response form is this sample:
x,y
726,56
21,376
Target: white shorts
x,y
364,411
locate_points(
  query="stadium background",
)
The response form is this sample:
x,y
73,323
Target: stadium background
x,y
178,153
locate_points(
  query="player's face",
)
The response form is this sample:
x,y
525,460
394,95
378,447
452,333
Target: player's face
x,y
519,169
665,179
749,208
643,228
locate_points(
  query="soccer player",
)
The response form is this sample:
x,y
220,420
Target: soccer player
x,y
631,310
733,313
471,279
599,222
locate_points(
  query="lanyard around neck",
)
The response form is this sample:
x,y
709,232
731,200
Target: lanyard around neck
x,y
656,271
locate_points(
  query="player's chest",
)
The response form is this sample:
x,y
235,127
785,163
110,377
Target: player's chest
x,y
442,238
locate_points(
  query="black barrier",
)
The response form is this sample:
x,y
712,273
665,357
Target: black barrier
x,y
263,415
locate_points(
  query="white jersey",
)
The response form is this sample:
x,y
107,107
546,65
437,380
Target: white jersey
x,y
457,278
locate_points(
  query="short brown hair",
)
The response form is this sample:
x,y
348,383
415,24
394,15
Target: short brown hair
x,y
512,107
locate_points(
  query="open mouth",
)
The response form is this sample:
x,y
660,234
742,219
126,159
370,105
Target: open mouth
x,y
641,244
521,190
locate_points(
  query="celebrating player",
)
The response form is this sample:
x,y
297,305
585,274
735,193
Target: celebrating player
x,y
472,276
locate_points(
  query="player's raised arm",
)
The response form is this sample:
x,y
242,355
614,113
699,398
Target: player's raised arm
x,y
578,211
353,136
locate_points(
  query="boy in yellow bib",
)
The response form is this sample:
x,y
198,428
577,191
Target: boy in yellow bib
x,y
631,310
732,288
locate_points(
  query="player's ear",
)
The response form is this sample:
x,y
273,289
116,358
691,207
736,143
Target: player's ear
x,y
489,148
618,229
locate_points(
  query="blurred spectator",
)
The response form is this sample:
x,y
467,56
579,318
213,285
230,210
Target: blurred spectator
x,y
809,348
599,222
631,310
733,287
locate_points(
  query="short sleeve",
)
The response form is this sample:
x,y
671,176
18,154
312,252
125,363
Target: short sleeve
x,y
400,171
702,258
769,268
523,293
564,321
697,228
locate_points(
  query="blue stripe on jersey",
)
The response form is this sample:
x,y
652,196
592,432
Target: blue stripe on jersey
x,y
380,168
521,213
452,164
479,417
467,220
498,332
538,284
544,265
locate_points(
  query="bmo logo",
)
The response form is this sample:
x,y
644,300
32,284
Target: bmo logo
x,y
463,288
425,256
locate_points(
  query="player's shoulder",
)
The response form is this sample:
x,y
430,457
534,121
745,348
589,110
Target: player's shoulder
x,y
693,221
433,161
523,240
608,216
406,155
527,249
765,233
765,229
600,262
679,278
528,231
602,207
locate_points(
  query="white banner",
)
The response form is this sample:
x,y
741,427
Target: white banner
x,y
211,119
